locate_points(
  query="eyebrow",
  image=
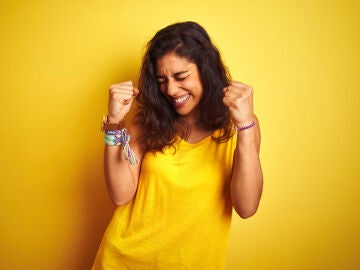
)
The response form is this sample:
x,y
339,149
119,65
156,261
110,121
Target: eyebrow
x,y
174,75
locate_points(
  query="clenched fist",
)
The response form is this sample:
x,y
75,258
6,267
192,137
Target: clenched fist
x,y
239,99
121,96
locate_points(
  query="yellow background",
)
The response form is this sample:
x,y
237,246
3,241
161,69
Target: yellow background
x,y
57,59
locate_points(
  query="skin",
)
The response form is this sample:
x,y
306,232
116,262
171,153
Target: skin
x,y
247,178
179,82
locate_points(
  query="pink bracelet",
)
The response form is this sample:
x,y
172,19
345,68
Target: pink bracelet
x,y
245,127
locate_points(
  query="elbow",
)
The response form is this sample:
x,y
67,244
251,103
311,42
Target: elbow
x,y
245,213
121,194
120,201
245,209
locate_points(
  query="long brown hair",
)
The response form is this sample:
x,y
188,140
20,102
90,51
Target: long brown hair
x,y
157,116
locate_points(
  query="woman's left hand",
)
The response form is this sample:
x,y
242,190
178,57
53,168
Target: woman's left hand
x,y
238,97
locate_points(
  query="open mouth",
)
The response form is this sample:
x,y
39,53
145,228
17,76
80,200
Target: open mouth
x,y
181,100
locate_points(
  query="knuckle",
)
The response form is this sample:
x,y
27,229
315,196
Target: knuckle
x,y
113,91
114,96
249,91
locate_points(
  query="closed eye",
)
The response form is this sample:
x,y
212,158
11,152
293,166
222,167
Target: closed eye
x,y
161,80
178,76
179,79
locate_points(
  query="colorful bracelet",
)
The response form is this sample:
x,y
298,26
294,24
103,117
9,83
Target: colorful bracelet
x,y
245,127
120,137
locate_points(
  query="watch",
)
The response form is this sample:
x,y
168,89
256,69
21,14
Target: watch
x,y
106,126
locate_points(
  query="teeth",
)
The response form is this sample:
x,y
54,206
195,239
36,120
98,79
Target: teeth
x,y
181,99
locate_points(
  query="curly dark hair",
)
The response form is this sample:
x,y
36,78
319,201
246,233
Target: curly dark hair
x,y
161,123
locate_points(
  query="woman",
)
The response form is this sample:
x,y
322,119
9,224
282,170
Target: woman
x,y
194,155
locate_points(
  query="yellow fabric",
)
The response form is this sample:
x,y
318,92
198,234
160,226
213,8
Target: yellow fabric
x,y
180,216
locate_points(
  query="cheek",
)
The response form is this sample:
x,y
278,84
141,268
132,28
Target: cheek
x,y
196,86
191,84
161,88
163,91
196,82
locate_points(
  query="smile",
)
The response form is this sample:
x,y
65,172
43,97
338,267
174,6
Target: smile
x,y
181,100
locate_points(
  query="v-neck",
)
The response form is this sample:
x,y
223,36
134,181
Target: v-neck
x,y
201,141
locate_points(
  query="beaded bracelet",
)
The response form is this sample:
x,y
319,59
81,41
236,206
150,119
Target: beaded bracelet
x,y
119,137
245,127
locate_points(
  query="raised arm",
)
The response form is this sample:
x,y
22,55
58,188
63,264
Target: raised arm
x,y
247,179
121,176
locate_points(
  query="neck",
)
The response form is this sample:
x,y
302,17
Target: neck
x,y
192,121
195,132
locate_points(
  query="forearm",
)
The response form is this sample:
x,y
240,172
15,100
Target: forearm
x,y
121,177
247,179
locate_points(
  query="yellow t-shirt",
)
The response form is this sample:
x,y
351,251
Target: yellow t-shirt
x,y
180,216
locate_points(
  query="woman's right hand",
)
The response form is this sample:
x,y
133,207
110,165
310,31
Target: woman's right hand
x,y
121,96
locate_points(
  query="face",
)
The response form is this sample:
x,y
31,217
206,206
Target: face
x,y
179,81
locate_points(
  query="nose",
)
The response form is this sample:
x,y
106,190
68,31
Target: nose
x,y
171,88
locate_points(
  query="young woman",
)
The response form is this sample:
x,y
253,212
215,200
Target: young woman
x,y
194,156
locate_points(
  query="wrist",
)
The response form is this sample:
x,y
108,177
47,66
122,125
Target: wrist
x,y
120,137
244,126
247,140
114,119
109,123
